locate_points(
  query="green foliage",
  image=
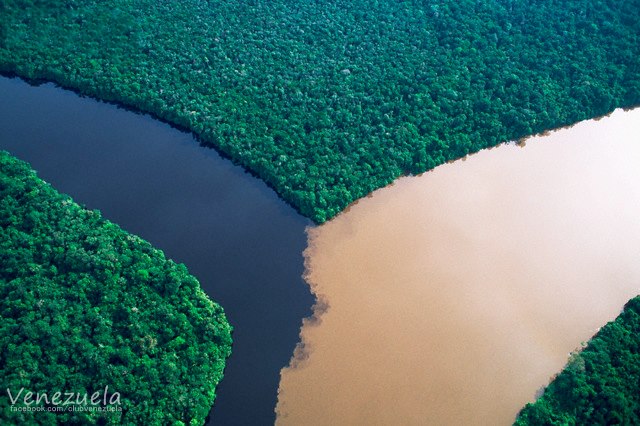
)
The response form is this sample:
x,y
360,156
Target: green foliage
x,y
86,305
329,100
601,384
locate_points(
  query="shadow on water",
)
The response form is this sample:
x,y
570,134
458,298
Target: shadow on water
x,y
234,234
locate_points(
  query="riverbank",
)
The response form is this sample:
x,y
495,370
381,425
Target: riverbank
x,y
86,305
376,91
234,234
453,296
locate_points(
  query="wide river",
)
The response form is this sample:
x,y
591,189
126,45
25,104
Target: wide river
x,y
452,297
243,243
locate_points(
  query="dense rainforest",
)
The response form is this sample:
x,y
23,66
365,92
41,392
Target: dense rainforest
x,y
329,100
601,384
86,305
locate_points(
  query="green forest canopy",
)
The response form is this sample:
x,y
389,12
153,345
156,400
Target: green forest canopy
x,y
600,385
328,100
86,305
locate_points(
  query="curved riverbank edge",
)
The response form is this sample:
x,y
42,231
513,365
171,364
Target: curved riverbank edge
x,y
242,242
114,99
599,384
327,113
117,102
88,306
329,380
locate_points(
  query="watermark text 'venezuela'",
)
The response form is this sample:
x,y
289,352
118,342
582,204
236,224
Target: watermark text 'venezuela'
x,y
63,401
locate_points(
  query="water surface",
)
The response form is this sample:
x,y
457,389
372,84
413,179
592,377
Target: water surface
x,y
450,298
233,233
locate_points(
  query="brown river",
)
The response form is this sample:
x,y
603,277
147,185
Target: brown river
x,y
452,297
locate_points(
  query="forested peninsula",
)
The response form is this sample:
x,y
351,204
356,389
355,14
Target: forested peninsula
x,y
600,385
328,100
86,305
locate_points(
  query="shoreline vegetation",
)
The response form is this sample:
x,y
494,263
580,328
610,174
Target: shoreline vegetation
x,y
87,306
327,102
600,384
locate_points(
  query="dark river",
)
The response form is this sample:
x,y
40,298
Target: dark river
x,y
233,233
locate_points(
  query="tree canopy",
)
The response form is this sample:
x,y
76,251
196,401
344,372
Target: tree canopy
x,y
600,385
86,305
328,100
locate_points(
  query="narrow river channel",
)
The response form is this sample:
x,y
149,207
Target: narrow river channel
x,y
233,233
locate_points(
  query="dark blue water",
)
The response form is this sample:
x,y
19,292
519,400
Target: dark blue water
x,y
234,234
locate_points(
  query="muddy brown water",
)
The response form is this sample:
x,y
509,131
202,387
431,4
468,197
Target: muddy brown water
x,y
452,297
